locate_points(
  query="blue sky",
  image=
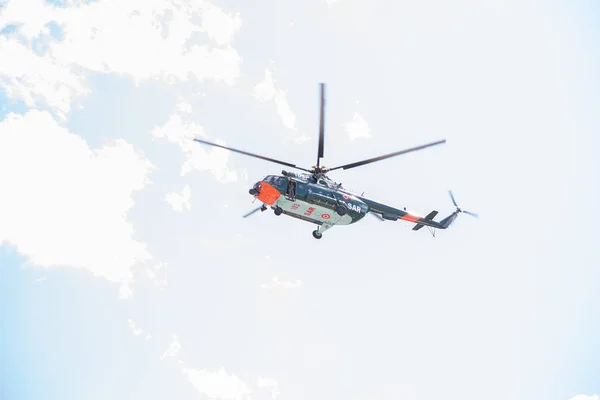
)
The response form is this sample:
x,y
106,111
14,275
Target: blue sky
x,y
126,270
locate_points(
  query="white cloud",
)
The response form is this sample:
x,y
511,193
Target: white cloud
x,y
173,349
153,275
357,127
64,204
277,284
585,397
266,91
219,25
149,38
125,291
179,201
301,139
270,384
197,157
143,39
136,331
184,107
32,24
331,2
37,80
134,328
218,385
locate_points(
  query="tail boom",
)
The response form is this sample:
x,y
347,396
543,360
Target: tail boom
x,y
394,214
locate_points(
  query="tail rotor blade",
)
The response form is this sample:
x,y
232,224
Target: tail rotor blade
x,y
452,197
471,214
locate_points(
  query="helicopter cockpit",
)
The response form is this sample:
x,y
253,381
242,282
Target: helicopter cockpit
x,y
328,183
282,184
273,180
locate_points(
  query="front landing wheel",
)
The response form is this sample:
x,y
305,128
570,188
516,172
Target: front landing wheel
x,y
341,210
317,235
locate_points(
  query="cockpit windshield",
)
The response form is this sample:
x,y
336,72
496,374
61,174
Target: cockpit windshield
x,y
330,184
272,179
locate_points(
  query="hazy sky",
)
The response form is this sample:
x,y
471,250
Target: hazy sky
x,y
127,272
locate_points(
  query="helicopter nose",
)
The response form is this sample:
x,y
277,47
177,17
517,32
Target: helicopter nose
x,y
267,193
255,190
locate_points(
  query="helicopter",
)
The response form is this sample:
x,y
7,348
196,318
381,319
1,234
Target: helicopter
x,y
313,197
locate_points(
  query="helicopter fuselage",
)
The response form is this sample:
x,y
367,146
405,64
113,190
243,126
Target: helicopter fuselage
x,y
318,202
315,198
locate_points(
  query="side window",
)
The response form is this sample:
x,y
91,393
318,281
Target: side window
x,y
301,189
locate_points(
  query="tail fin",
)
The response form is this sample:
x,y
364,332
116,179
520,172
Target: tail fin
x,y
446,222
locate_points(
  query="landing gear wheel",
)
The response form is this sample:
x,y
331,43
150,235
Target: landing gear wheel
x,y
341,210
278,210
317,235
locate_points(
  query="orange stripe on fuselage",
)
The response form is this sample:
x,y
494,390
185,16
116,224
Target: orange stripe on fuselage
x,y
268,194
410,218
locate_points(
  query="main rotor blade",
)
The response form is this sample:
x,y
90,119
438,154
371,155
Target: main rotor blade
x,y
321,126
252,155
374,159
251,212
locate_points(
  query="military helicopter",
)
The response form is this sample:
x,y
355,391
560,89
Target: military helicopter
x,y
313,197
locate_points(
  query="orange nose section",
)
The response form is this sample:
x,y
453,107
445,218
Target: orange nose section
x,y
268,194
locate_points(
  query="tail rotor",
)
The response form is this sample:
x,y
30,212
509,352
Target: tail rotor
x,y
460,210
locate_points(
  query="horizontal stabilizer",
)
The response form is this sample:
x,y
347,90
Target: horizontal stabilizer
x,y
429,216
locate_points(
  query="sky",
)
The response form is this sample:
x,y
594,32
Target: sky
x,y
127,271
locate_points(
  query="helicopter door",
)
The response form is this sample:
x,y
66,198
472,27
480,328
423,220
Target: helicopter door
x,y
291,189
